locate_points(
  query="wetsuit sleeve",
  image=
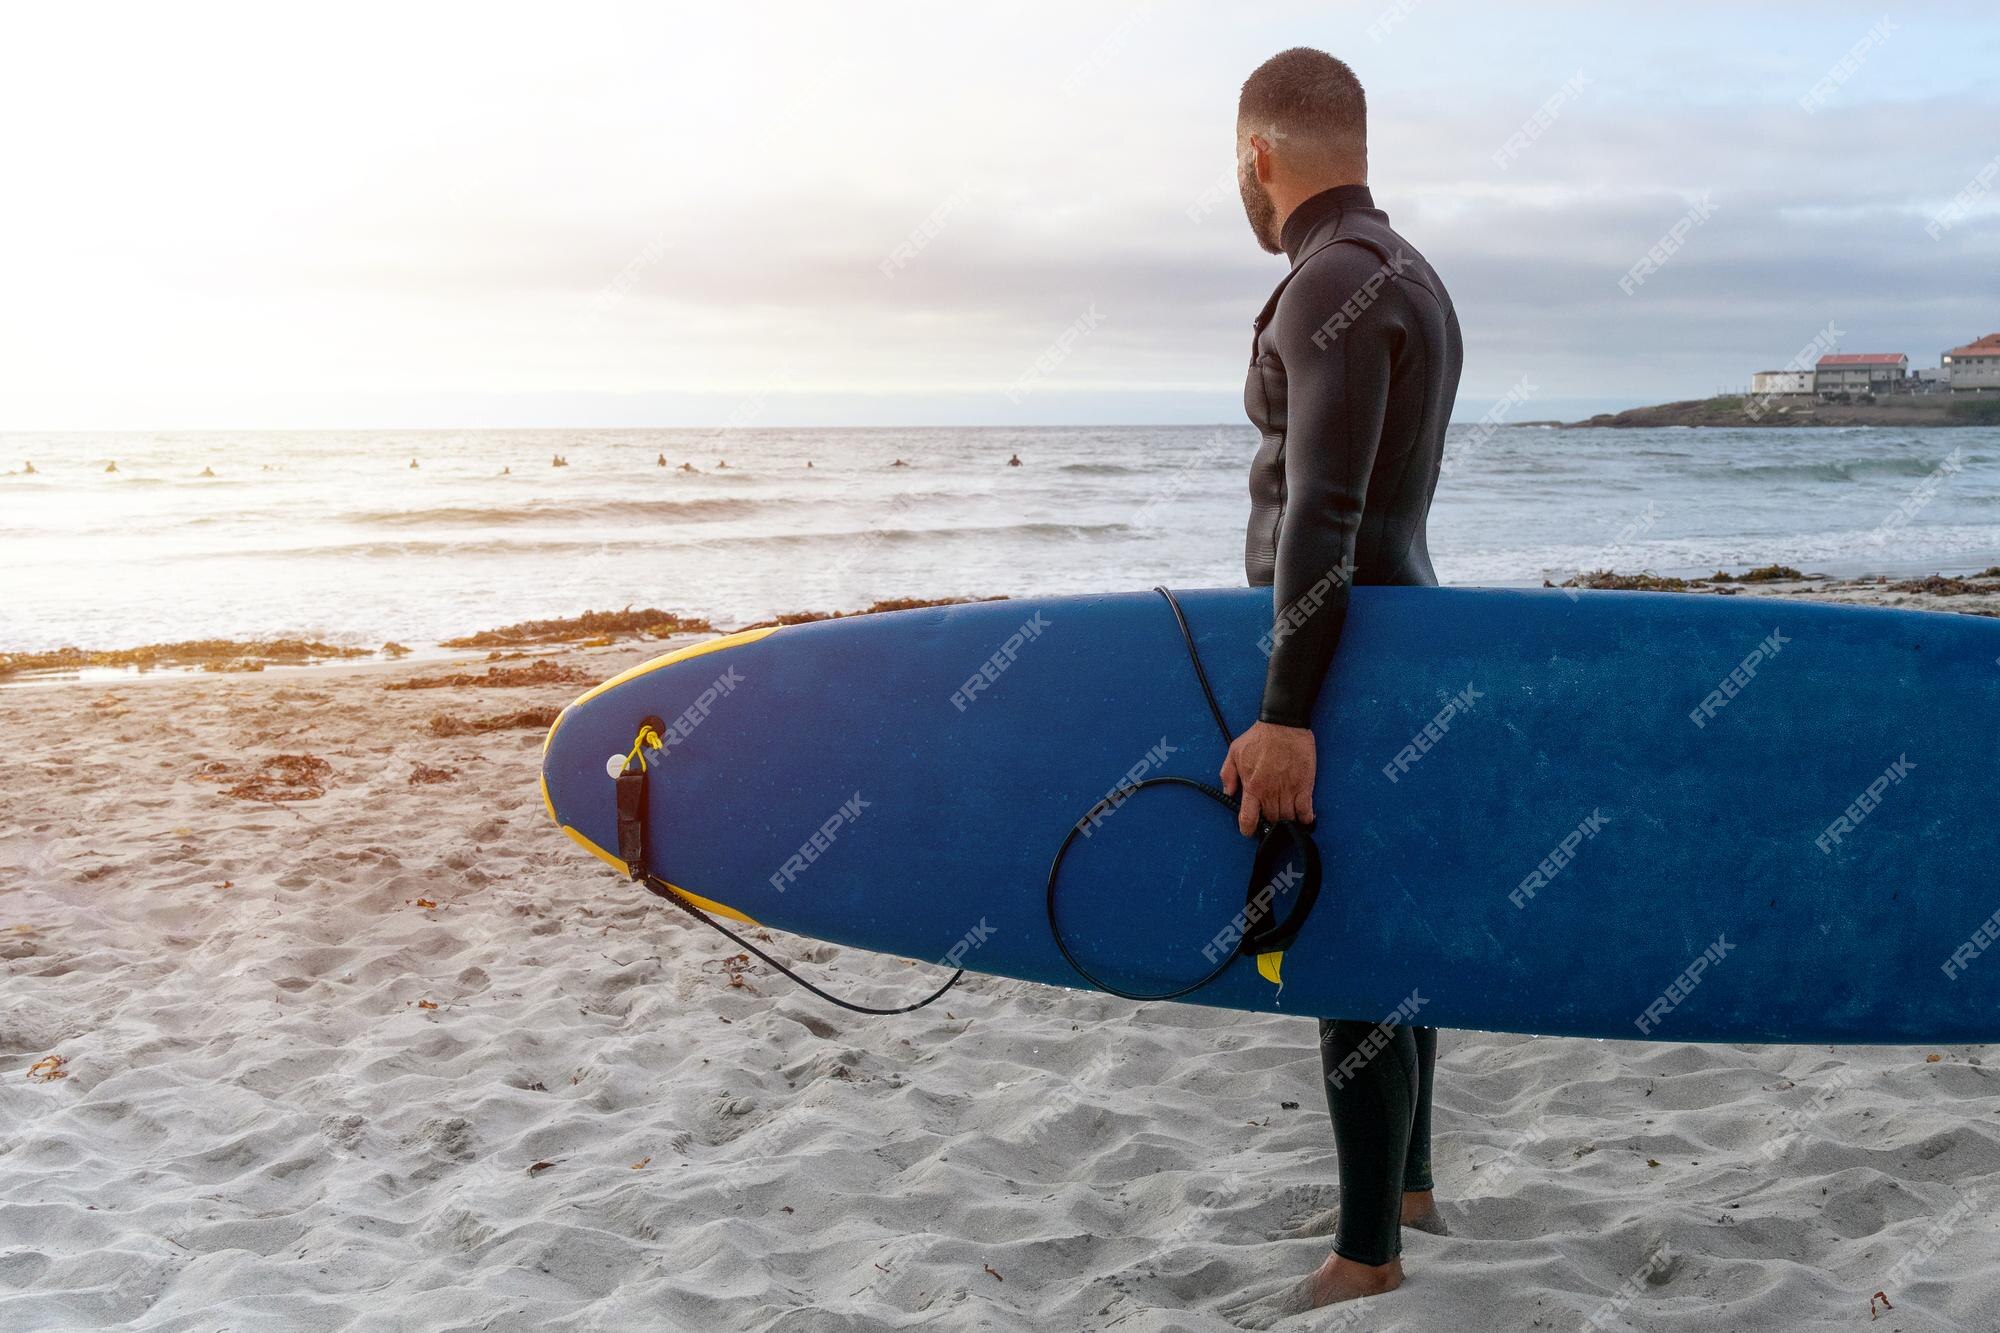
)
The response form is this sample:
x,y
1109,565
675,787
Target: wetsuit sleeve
x,y
1337,388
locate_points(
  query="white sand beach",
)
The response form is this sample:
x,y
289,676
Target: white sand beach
x,y
400,1056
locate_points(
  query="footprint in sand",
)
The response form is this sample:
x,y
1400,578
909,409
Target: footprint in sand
x,y
1319,1215
825,1064
462,1230
1314,1211
1263,1305
1327,1222
343,1131
813,1023
1664,1265
452,1136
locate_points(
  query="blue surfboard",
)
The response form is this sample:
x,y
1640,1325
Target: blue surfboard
x,y
1637,815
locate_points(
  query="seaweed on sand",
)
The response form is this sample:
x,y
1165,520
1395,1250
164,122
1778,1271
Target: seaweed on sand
x,y
893,604
1938,586
208,654
544,671
1614,582
444,724
282,777
599,625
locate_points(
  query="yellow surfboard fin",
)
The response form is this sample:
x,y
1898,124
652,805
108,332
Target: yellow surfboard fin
x,y
1268,965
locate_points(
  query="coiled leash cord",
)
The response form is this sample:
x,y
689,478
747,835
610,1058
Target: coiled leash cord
x,y
1261,938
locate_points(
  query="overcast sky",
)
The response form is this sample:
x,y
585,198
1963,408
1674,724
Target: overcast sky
x,y
763,214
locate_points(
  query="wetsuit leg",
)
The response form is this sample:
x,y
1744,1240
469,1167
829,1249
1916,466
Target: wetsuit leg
x,y
1417,1165
1371,1091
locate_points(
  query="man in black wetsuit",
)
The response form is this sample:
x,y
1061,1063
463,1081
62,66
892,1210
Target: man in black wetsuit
x,y
1353,371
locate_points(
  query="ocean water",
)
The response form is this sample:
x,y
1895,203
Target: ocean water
x,y
332,535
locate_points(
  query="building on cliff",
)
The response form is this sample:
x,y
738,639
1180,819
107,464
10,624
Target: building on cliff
x,y
1768,383
1860,372
1975,367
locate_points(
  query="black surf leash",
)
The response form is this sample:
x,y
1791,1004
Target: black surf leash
x,y
632,851
667,891
1261,937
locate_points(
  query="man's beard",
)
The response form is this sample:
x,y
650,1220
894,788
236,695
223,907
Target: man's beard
x,y
1257,205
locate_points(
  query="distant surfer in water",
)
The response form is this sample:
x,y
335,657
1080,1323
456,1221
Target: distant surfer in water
x,y
28,470
689,467
1015,461
112,466
899,463
661,461
1353,372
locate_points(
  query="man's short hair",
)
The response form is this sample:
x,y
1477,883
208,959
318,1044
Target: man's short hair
x,y
1310,98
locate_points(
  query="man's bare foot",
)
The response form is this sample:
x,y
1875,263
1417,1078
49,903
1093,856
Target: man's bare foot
x,y
1341,1279
1420,1213
1336,1280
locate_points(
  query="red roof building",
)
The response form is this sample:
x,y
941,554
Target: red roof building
x,y
1987,346
1860,372
1975,367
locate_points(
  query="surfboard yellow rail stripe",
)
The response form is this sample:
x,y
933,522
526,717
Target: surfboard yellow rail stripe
x,y
679,655
735,640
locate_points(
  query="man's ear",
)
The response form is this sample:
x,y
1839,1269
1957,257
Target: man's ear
x,y
1260,152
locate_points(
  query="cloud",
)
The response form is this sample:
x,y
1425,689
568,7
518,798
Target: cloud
x,y
633,207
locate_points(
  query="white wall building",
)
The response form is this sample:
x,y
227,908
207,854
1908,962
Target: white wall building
x,y
1768,382
1975,367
